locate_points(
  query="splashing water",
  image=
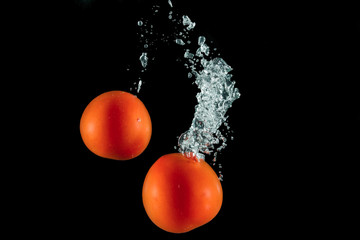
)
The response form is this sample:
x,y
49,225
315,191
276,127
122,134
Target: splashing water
x,y
217,93
217,90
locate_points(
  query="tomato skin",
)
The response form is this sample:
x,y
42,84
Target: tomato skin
x,y
116,125
181,193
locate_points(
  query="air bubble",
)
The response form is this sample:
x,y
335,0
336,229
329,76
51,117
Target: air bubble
x,y
144,59
201,40
139,86
221,177
179,41
187,22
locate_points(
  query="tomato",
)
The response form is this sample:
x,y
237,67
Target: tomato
x,y
116,125
181,193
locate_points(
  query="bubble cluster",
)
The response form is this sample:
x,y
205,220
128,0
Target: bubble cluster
x,y
217,93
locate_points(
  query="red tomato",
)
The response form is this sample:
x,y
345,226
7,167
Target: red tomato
x,y
181,193
116,125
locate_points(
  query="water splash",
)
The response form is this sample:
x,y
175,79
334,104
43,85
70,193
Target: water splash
x,y
217,93
211,74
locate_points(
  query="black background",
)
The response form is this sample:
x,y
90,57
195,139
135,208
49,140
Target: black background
x,y
291,63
